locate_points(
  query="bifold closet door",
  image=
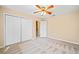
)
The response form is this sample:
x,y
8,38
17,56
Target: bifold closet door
x,y
12,29
26,29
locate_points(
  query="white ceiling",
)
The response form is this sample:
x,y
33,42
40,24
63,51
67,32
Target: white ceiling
x,y
31,8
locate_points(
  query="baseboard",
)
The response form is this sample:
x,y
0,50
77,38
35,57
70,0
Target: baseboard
x,y
64,40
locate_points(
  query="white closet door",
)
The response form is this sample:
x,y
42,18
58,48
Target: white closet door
x,y
43,28
12,30
26,29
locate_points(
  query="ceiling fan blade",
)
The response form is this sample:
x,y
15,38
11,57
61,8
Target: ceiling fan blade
x,y
51,6
37,11
38,6
48,12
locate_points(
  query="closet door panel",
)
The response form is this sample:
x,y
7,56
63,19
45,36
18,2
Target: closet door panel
x,y
26,29
12,29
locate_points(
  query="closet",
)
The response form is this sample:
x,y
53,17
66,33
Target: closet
x,y
12,29
26,29
16,29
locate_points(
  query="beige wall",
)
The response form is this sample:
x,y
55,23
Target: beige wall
x,y
1,30
64,27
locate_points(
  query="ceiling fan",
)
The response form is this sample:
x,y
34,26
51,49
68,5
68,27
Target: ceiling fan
x,y
44,9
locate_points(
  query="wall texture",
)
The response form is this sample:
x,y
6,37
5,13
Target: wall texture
x,y
64,27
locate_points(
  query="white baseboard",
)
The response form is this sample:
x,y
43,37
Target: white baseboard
x,y
64,40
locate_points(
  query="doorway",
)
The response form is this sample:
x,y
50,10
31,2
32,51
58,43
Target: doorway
x,y
41,28
37,28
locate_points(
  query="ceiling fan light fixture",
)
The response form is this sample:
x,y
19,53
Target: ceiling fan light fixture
x,y
44,9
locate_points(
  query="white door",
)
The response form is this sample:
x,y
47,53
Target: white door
x,y
26,29
43,28
12,29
